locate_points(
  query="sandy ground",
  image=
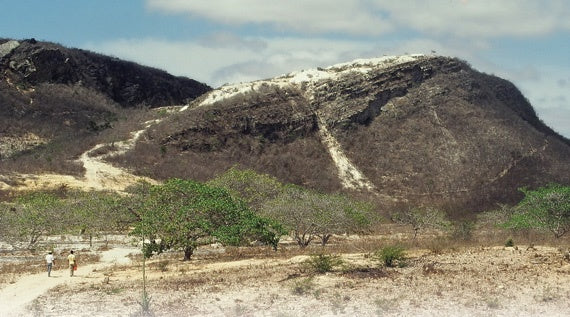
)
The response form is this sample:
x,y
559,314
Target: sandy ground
x,y
471,281
474,281
16,297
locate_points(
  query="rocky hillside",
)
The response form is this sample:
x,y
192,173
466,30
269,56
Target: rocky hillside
x,y
30,63
401,130
406,130
55,99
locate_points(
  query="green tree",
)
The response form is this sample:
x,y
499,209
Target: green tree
x,y
36,214
184,214
96,212
546,208
309,215
254,188
8,230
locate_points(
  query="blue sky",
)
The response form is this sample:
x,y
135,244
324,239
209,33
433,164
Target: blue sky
x,y
225,41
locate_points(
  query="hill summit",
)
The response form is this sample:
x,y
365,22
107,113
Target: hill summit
x,y
406,129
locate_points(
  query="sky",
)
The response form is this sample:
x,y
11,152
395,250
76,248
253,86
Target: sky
x,y
229,41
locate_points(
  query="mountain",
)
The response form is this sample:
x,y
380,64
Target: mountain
x,y
31,63
406,130
403,130
56,97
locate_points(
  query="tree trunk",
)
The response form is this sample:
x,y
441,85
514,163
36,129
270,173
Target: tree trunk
x,y
325,239
188,251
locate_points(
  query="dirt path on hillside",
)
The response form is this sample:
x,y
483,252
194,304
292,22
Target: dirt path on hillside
x,y
16,297
99,175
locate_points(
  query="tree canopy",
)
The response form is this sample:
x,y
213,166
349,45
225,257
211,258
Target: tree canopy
x,y
308,214
546,208
254,188
183,214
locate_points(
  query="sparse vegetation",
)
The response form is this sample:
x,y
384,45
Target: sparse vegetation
x,y
421,218
323,263
303,286
462,230
309,215
546,208
33,215
391,256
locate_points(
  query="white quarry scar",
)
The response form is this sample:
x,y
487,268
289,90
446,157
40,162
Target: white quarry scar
x,y
349,175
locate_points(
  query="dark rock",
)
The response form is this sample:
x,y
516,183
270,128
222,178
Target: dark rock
x,y
129,84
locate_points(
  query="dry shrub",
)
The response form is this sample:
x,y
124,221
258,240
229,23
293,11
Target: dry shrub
x,y
438,245
303,286
323,263
391,255
22,267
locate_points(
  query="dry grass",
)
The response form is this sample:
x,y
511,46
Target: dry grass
x,y
480,275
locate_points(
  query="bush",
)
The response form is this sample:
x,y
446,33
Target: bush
x,y
391,255
322,263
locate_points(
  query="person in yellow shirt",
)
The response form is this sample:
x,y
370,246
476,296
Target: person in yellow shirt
x,y
72,262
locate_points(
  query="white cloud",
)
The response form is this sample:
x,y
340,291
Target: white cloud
x,y
480,19
228,40
315,16
219,64
557,118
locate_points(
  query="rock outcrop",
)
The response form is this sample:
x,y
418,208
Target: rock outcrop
x,y
66,98
29,63
409,130
404,130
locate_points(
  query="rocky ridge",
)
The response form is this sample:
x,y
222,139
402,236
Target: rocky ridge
x,y
409,129
401,130
29,63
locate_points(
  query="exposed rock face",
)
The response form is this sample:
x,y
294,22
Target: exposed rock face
x,y
7,47
412,129
67,97
402,130
31,63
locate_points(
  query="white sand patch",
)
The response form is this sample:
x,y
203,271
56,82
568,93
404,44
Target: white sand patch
x,y
310,75
375,63
99,175
348,173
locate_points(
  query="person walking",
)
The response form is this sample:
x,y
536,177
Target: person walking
x,y
50,260
72,262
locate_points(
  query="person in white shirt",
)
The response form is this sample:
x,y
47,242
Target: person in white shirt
x,y
50,260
